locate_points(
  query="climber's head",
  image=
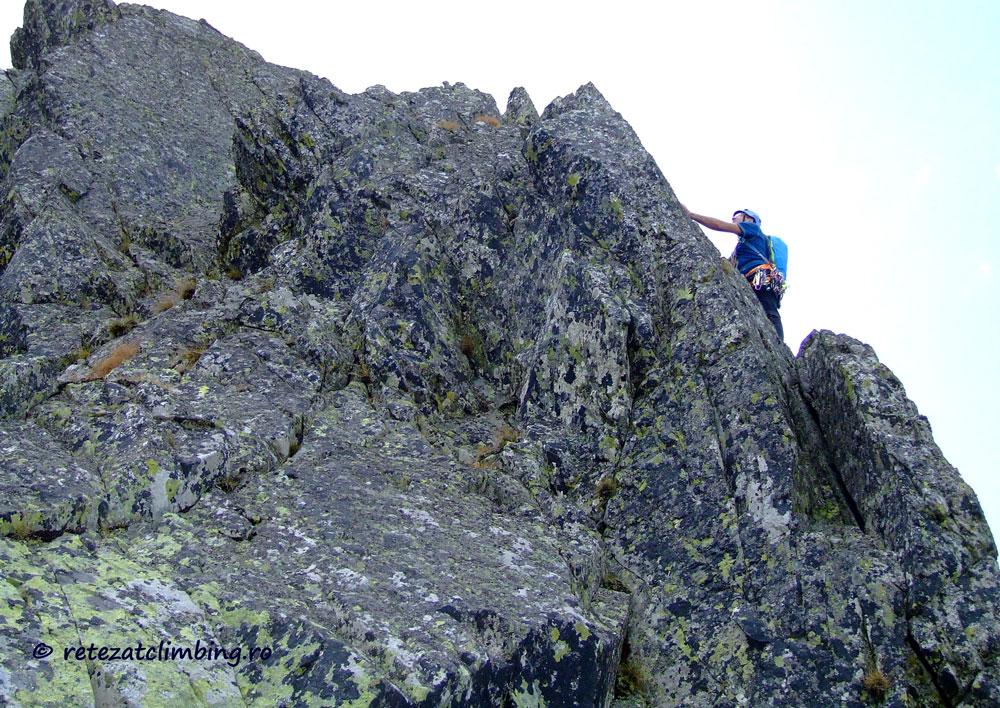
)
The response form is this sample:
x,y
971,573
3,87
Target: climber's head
x,y
741,215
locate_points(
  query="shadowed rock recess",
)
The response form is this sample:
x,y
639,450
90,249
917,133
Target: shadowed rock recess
x,y
437,406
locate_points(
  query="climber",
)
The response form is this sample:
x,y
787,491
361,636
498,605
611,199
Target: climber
x,y
752,258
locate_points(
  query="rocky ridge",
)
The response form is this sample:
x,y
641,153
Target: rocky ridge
x,y
442,406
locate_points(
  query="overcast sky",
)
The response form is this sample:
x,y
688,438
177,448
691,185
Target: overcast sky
x,y
865,133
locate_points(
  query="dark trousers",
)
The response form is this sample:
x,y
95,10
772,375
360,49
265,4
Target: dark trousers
x,y
769,301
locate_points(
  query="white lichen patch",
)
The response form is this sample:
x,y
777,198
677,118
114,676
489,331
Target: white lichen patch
x,y
158,491
400,653
513,561
421,517
522,546
307,542
352,578
168,599
760,505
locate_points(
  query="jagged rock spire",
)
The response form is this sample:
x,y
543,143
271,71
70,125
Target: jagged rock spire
x,y
49,24
520,110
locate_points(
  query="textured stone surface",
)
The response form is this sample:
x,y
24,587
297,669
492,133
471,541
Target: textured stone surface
x,y
440,406
910,497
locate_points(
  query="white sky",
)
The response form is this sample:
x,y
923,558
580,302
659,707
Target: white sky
x,y
865,133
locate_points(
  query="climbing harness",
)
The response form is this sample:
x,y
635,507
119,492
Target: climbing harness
x,y
767,276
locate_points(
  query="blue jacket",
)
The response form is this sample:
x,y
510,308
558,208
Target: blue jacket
x,y
747,258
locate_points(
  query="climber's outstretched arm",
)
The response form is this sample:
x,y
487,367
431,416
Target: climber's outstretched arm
x,y
712,223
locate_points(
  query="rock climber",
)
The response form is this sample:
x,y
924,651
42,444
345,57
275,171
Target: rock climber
x,y
751,258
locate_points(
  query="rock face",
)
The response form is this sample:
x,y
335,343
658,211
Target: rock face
x,y
395,400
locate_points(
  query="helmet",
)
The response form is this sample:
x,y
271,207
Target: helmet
x,y
752,214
